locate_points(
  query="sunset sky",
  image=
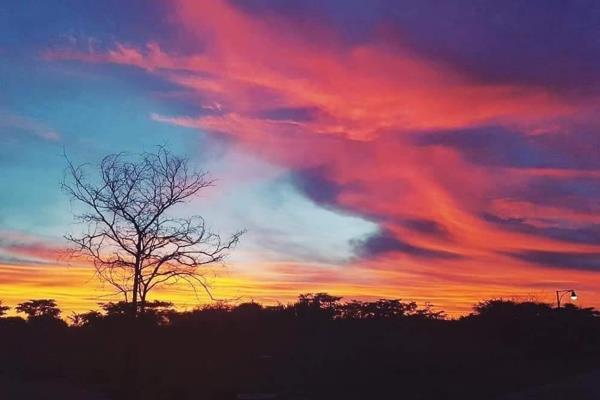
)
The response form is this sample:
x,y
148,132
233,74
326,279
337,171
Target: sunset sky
x,y
443,152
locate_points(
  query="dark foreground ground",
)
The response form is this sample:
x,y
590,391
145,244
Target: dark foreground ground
x,y
17,388
307,351
581,387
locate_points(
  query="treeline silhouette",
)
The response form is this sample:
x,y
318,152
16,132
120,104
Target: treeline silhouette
x,y
319,347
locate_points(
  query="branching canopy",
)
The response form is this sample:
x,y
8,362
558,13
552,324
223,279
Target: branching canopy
x,y
132,236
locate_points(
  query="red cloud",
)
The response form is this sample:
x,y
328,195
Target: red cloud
x,y
361,91
15,245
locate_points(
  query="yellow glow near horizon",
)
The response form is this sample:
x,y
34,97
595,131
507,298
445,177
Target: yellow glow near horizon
x,y
76,290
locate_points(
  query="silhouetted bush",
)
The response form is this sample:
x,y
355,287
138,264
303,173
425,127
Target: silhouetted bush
x,y
43,308
3,309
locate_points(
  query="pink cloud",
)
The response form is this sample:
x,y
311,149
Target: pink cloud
x,y
34,128
23,248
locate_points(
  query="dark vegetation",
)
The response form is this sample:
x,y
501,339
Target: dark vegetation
x,y
316,348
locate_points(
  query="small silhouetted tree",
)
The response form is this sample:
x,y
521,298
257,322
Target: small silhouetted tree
x,y
39,309
387,309
380,309
86,318
317,304
248,311
155,311
248,308
134,240
428,312
3,309
500,309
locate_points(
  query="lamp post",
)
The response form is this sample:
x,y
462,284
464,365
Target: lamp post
x,y
561,293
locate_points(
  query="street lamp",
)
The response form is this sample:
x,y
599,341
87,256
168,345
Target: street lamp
x,y
561,293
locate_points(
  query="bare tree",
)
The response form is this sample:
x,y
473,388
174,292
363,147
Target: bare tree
x,y
132,236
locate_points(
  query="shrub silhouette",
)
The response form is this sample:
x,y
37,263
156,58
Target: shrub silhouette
x,y
3,309
85,319
39,309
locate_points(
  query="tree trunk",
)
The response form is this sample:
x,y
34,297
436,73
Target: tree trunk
x,y
142,304
136,285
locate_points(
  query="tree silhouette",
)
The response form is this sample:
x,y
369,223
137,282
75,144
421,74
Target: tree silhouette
x,y
132,237
500,309
85,319
3,309
380,309
154,311
38,309
317,305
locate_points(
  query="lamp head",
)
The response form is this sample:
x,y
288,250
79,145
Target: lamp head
x,y
573,295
